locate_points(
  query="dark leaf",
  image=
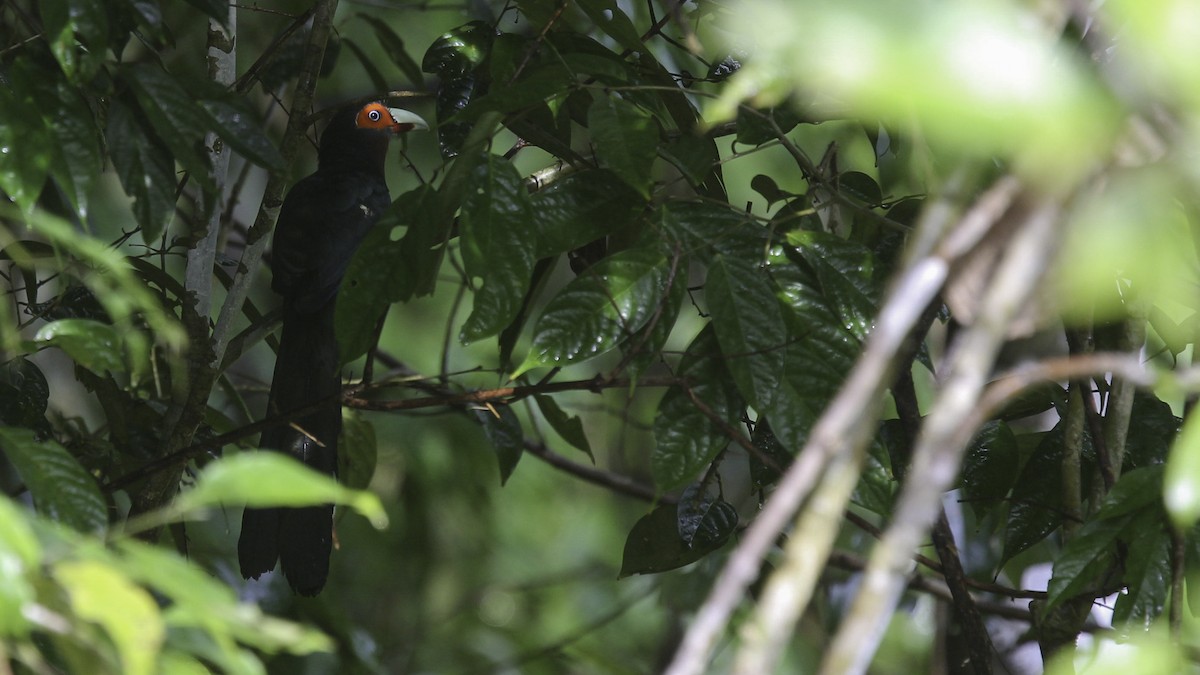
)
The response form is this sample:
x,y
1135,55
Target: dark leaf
x,y
242,130
357,450
1147,572
62,489
24,395
569,427
503,431
750,327
582,208
703,521
93,345
498,244
459,51
654,546
687,437
394,47
1152,429
595,311
176,119
626,140
145,168
989,467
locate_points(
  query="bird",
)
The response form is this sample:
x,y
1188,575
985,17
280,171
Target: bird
x,y
321,223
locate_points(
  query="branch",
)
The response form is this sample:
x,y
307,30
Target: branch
x,y
937,455
268,211
839,434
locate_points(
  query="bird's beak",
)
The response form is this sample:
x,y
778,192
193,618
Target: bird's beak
x,y
406,121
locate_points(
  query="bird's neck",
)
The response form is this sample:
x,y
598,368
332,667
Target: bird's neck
x,y
365,156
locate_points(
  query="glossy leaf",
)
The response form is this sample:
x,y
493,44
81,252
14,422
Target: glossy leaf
x,y
26,149
582,208
626,140
145,167
243,131
173,114
24,394
498,244
687,438
749,324
1036,501
989,467
1079,566
1147,572
93,345
704,521
591,315
62,489
654,545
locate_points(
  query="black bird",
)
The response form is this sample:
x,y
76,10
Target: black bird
x,y
321,223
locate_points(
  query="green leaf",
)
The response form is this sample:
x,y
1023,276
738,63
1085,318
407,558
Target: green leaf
x,y
569,427
173,114
498,244
503,431
703,229
24,394
394,47
644,348
62,489
20,550
79,33
686,438
145,167
1152,429
1181,482
459,50
702,521
357,450
581,208
93,345
989,467
378,81
846,275
749,324
1147,573
654,544
1133,491
77,164
610,18
1036,501
100,593
239,479
200,601
1081,563
243,131
26,149
612,299
626,140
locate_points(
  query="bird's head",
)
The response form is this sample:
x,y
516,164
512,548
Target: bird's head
x,y
358,135
375,116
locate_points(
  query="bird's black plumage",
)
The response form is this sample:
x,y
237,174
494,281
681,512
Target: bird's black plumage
x,y
321,223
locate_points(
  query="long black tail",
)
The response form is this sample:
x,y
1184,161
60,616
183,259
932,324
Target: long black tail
x,y
306,373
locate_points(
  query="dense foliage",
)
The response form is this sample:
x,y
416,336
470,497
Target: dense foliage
x,y
766,279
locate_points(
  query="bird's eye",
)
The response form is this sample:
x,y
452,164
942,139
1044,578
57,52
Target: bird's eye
x,y
373,115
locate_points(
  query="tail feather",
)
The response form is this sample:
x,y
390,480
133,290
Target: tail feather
x,y
306,372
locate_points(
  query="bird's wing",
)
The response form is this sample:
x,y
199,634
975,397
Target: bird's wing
x,y
321,223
